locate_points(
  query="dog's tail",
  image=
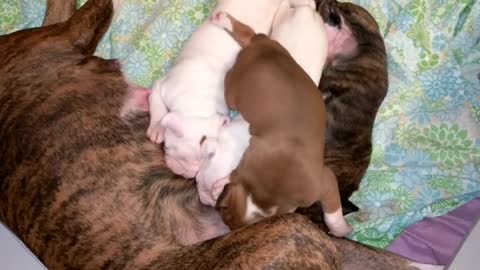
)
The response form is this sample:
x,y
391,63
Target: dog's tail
x,y
240,32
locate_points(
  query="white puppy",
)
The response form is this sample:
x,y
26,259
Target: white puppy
x,y
187,105
221,157
301,30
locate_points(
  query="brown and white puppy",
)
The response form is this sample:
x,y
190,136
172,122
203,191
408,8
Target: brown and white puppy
x,y
282,168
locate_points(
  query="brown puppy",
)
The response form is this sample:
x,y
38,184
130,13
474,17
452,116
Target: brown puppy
x,y
282,168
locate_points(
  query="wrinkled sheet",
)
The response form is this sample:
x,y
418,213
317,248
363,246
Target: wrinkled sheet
x,y
436,240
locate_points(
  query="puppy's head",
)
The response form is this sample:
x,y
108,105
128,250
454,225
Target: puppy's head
x,y
184,137
337,13
238,207
351,30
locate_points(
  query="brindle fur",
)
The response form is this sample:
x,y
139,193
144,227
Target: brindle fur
x,y
59,11
85,189
355,87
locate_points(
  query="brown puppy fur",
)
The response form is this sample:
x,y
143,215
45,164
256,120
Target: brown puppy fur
x,y
85,189
282,167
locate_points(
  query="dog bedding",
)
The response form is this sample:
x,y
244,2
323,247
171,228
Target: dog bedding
x,y
426,157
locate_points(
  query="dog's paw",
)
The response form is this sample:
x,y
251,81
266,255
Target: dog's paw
x,y
222,20
155,132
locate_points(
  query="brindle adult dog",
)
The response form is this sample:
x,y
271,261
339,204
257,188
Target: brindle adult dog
x,y
85,189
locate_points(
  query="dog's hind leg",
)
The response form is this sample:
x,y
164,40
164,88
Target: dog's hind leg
x,y
59,11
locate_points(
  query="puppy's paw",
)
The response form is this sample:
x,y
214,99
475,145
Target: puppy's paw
x,y
341,231
221,19
337,224
155,132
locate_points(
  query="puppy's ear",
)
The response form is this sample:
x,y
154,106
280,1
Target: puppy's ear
x,y
174,123
209,147
232,205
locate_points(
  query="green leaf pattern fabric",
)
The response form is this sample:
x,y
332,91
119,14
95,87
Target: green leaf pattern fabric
x,y
426,154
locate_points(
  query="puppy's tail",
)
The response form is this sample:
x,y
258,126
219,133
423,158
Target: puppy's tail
x,y
240,32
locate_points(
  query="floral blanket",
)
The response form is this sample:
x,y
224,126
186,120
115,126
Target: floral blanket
x,y
426,158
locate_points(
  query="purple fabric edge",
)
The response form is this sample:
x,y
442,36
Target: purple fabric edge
x,y
436,240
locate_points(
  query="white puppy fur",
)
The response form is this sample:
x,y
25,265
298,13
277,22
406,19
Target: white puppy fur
x,y
221,157
188,103
336,223
300,29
